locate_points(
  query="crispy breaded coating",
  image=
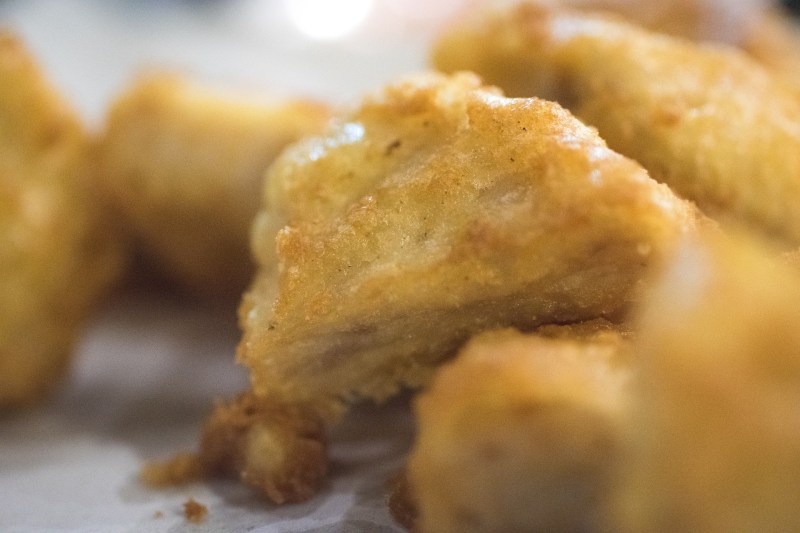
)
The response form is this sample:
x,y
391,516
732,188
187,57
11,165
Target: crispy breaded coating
x,y
706,120
185,164
57,255
437,210
521,433
280,450
715,438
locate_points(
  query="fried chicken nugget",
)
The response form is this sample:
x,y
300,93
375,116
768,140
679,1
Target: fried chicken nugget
x,y
708,121
185,164
714,442
761,28
56,257
437,210
521,433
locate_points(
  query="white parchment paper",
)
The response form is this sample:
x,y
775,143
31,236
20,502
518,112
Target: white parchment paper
x,y
148,370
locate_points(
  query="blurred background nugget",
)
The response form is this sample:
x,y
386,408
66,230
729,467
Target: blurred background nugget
x,y
521,432
714,439
709,121
57,251
689,422
762,28
184,166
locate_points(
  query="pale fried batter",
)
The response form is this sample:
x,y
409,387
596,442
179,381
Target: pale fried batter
x,y
716,421
185,166
521,433
56,254
437,210
710,122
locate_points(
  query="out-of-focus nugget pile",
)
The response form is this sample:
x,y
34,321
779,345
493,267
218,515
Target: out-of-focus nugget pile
x,y
605,334
57,255
183,166
422,225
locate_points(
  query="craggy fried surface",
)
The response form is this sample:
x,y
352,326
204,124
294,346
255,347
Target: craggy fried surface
x,y
437,210
185,165
279,450
520,433
710,122
55,257
716,425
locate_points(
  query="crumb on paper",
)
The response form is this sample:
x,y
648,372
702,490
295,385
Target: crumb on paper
x,y
179,470
279,450
158,515
194,511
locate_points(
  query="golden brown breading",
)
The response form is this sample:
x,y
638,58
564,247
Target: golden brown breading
x,y
56,254
280,450
521,433
715,438
437,210
708,121
185,165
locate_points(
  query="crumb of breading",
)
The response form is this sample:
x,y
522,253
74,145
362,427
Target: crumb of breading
x,y
181,469
278,449
194,511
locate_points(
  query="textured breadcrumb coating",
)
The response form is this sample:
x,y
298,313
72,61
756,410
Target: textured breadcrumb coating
x,y
436,210
184,164
280,450
714,442
521,433
707,120
57,254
